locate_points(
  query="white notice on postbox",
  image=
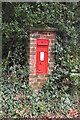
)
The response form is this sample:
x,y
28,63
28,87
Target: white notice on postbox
x,y
41,56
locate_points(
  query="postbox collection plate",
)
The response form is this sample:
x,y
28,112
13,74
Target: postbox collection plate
x,y
42,56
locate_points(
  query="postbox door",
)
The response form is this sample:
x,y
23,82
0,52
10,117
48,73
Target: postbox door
x,y
42,59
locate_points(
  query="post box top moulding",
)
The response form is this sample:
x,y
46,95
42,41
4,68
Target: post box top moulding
x,y
46,29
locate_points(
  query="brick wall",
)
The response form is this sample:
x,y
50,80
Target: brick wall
x,y
37,80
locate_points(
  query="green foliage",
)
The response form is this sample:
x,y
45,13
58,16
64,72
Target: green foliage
x,y
15,91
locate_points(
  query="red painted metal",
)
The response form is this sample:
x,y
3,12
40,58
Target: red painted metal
x,y
42,56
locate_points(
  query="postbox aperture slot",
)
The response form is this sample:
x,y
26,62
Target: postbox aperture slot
x,y
42,44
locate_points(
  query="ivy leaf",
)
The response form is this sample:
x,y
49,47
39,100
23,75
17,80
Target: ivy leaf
x,y
23,86
65,88
67,101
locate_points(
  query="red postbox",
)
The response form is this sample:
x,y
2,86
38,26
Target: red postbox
x,y
42,56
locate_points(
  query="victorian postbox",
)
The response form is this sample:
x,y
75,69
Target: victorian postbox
x,y
42,56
